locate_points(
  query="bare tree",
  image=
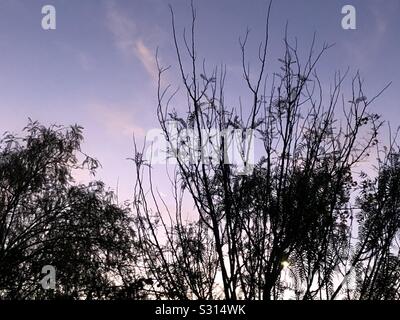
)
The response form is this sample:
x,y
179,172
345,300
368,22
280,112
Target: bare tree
x,y
281,224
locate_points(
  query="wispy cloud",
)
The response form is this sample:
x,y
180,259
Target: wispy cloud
x,y
117,121
122,28
127,40
84,60
363,50
380,14
147,58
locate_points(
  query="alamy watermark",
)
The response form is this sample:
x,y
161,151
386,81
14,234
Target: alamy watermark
x,y
49,280
49,18
349,21
208,146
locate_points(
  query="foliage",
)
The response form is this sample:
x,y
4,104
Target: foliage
x,y
46,219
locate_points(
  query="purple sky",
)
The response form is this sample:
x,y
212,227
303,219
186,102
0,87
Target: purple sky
x,y
97,68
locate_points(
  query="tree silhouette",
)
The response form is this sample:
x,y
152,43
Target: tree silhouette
x,y
300,221
285,224
377,264
46,219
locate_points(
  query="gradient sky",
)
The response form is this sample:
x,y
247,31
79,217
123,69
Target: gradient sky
x,y
97,68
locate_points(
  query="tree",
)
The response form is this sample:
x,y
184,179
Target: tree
x,y
376,262
286,225
46,219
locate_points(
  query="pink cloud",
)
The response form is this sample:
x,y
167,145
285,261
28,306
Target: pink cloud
x,y
116,120
126,38
147,58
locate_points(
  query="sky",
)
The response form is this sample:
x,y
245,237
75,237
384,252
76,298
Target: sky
x,y
97,68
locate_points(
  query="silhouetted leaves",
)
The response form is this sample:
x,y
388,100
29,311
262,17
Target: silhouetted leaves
x,y
46,219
